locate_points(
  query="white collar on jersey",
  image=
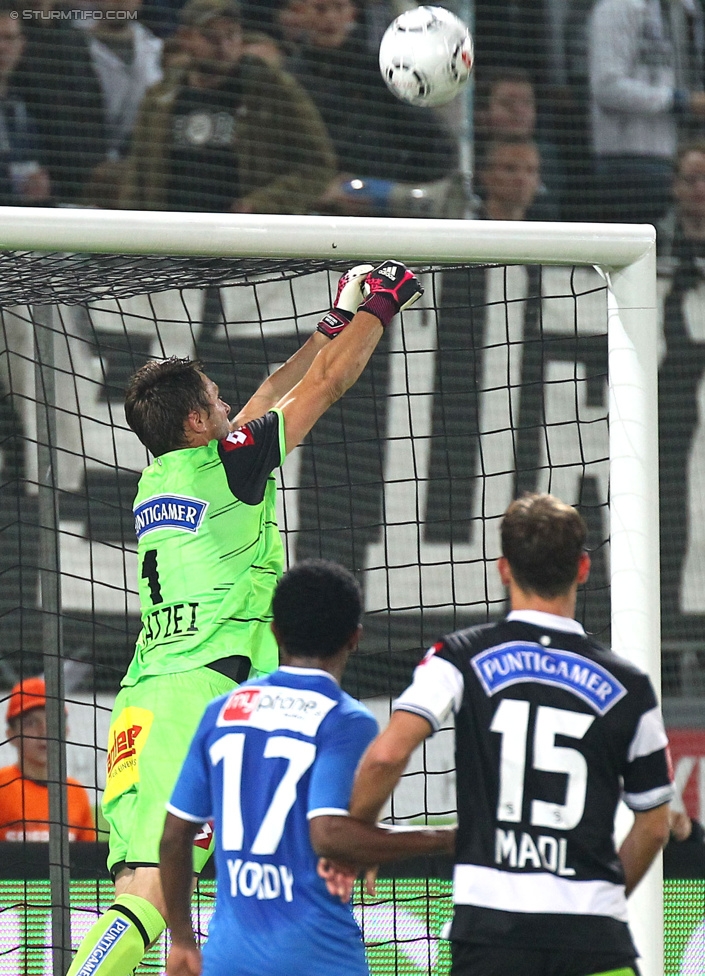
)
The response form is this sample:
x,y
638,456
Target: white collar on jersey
x,y
549,620
308,671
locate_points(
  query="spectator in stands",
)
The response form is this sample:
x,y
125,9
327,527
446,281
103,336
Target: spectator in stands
x,y
229,133
681,258
23,180
506,108
646,81
374,17
24,794
342,76
57,81
681,234
509,179
126,59
684,854
290,24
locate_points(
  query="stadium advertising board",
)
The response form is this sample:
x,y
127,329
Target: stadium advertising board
x,y
402,925
688,755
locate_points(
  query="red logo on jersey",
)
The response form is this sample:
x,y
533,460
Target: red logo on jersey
x,y
242,437
203,837
123,746
241,705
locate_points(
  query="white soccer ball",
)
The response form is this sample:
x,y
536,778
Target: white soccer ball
x,y
426,56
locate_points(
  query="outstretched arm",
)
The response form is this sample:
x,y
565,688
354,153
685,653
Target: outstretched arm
x,y
347,844
384,762
334,370
283,379
390,288
352,841
349,296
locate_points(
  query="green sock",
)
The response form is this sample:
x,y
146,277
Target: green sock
x,y
119,939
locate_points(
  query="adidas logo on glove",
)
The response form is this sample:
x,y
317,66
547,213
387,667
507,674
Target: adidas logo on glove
x,y
389,272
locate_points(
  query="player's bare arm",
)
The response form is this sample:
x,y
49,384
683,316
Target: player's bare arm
x,y
648,835
390,288
345,851
384,762
332,373
278,383
175,868
333,367
356,842
349,296
346,846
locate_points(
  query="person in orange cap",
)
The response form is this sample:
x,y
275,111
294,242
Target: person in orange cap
x,y
24,794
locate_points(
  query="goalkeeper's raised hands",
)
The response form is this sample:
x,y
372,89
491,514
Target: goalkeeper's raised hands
x,y
320,372
382,291
347,300
389,288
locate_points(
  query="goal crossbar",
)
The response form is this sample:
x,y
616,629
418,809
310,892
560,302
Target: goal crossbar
x,y
285,236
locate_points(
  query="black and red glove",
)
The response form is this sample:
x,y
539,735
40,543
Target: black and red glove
x,y
389,288
347,300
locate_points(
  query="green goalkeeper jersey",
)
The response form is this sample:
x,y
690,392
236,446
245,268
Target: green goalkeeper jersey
x,y
209,552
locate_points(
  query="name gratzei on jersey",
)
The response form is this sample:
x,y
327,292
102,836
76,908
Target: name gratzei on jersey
x,y
183,514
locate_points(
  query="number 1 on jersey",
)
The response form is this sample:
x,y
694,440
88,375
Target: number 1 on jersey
x,y
151,574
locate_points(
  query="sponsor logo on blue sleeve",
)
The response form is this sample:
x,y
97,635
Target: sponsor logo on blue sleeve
x,y
169,512
519,661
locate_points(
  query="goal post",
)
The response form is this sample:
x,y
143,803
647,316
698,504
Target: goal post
x,y
624,255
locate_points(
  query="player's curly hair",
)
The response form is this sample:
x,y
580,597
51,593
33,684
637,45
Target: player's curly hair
x,y
543,539
159,398
317,608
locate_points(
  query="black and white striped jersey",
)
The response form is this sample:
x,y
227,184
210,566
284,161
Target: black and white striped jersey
x,y
551,730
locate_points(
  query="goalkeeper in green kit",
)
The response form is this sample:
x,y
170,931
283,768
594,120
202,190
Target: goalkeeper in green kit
x,y
209,557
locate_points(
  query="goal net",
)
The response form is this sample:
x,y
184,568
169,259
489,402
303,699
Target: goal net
x,y
529,364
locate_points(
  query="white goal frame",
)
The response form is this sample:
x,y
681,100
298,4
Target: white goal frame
x,y
624,254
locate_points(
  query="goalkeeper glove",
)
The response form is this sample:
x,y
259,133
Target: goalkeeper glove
x,y
347,299
388,289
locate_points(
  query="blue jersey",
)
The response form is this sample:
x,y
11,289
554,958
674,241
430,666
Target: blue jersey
x,y
273,754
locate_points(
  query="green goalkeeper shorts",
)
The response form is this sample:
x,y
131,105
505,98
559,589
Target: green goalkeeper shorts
x,y
151,728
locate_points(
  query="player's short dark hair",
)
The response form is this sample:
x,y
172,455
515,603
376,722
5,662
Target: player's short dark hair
x,y
317,608
159,398
543,539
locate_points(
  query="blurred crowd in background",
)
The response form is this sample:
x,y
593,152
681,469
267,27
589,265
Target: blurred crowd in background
x,y
580,110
